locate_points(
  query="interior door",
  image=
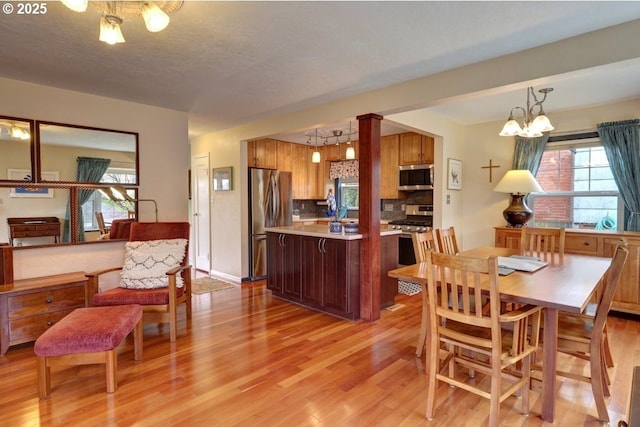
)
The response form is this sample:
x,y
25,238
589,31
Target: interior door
x,y
201,212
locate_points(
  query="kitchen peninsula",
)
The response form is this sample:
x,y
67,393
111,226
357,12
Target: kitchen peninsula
x,y
310,266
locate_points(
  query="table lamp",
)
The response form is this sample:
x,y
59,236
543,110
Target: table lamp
x,y
518,183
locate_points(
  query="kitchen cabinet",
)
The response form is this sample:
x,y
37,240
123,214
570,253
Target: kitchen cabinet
x,y
262,153
300,161
416,149
330,275
284,264
323,273
317,272
600,244
389,161
29,307
284,156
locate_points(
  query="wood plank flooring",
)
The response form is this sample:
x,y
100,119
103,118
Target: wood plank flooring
x,y
247,359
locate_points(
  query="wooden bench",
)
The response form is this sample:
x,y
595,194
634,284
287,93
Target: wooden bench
x,y
88,336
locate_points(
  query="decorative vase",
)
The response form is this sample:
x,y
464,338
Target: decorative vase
x,y
335,227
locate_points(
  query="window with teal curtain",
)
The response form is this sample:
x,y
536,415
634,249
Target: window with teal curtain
x,y
528,152
622,146
90,169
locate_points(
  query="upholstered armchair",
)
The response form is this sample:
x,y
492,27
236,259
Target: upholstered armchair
x,y
155,273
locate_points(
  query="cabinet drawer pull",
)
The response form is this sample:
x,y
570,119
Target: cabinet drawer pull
x,y
49,300
587,243
49,323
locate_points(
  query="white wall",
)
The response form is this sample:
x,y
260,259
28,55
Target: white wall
x,y
164,163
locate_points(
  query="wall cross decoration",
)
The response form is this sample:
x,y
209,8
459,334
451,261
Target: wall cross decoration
x,y
490,167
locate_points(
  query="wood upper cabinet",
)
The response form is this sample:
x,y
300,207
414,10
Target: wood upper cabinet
x,y
284,156
300,161
262,153
389,153
416,149
601,244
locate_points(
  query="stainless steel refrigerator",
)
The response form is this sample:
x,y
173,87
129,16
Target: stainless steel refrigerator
x,y
270,205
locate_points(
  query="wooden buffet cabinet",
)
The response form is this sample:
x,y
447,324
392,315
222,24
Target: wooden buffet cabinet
x,y
28,307
600,244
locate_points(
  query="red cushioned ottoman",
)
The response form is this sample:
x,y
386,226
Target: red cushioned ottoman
x,y
88,336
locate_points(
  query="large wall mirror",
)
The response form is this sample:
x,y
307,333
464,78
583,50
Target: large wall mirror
x,y
17,148
60,146
76,184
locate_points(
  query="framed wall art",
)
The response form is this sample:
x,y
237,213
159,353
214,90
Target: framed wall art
x,y
223,179
25,175
454,174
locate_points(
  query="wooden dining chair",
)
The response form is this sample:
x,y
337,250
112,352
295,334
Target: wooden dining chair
x,y
544,243
101,225
447,242
583,336
423,242
499,345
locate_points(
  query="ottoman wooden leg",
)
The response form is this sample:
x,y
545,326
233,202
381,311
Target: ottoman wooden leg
x,y
111,360
44,378
137,341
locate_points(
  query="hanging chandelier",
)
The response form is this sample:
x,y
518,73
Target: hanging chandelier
x,y
532,124
155,15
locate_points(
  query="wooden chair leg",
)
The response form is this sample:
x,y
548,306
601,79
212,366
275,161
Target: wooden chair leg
x,y
597,383
44,378
608,357
423,332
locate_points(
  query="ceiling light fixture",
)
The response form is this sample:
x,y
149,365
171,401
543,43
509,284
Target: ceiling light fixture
x,y
533,125
315,157
350,154
155,15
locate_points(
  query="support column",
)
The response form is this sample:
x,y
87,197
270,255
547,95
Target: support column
x,y
369,215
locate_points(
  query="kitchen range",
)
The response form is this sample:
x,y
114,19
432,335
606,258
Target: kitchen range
x,y
419,218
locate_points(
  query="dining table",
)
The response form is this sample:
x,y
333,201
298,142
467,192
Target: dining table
x,y
560,286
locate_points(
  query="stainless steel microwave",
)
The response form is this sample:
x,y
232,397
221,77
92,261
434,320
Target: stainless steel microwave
x,y
415,177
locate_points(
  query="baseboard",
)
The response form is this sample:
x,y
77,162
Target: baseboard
x,y
225,276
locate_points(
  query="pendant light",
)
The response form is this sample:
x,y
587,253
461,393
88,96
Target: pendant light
x,y
350,154
532,124
315,157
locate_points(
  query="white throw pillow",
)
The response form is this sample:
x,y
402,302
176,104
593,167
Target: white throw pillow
x,y
146,263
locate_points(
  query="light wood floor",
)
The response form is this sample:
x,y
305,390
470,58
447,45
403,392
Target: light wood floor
x,y
248,359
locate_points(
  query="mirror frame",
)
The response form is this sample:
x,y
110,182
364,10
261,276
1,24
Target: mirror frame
x,y
39,146
73,186
32,146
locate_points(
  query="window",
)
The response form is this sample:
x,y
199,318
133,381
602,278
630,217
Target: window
x,y
349,194
580,191
101,203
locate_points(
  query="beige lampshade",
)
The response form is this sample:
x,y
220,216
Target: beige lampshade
x,y
518,181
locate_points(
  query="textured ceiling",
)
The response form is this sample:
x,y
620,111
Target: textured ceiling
x,y
228,63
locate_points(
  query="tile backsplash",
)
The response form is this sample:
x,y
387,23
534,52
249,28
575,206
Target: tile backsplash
x,y
390,209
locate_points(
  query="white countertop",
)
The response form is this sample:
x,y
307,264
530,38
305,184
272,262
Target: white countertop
x,y
318,230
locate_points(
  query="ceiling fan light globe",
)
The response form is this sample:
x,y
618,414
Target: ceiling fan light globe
x,y
76,5
154,18
110,32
